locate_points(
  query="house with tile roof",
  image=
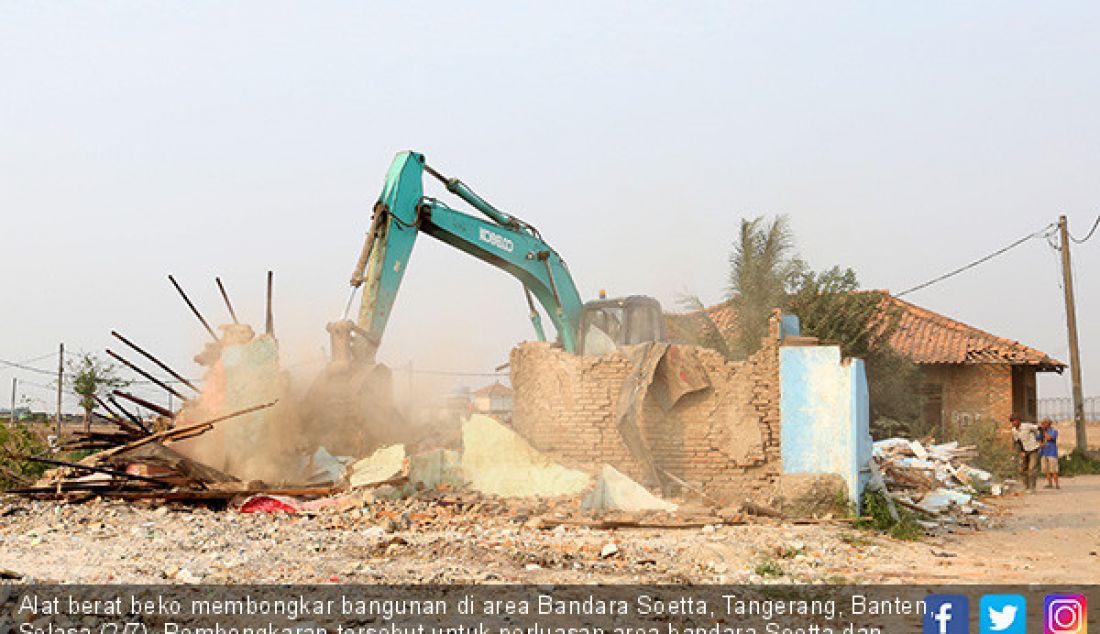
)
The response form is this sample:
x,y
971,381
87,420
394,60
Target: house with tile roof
x,y
495,399
969,374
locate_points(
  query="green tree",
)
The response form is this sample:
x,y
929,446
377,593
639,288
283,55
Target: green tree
x,y
93,377
831,307
763,270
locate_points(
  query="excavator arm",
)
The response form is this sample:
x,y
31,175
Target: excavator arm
x,y
402,212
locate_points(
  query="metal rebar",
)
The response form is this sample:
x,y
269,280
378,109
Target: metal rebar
x,y
145,374
187,300
225,296
150,357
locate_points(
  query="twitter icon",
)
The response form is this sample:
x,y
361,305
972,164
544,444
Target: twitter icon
x,y
1003,614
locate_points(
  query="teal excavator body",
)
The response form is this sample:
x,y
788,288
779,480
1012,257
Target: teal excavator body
x,y
500,239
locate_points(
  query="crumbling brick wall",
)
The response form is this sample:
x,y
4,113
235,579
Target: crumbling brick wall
x,y
723,439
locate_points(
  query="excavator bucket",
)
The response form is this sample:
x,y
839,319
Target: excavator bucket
x,y
351,403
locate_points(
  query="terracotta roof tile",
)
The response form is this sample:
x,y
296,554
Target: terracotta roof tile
x,y
496,389
926,337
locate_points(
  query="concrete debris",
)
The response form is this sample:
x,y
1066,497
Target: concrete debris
x,y
497,461
939,500
616,492
385,464
934,480
327,467
433,536
439,467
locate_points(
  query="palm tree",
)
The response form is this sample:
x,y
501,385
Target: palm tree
x,y
763,269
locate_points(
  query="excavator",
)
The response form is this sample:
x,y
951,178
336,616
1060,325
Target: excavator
x,y
499,239
353,400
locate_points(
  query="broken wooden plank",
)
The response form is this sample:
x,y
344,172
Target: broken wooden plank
x,y
112,472
158,455
179,433
613,524
152,407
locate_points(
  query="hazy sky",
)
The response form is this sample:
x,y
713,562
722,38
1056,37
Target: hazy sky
x,y
203,139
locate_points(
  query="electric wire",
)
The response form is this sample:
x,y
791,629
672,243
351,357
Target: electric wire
x,y
1042,233
1095,224
69,376
40,357
27,368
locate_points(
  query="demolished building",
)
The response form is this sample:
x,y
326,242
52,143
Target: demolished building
x,y
684,420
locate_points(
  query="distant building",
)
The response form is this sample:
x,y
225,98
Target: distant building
x,y
969,374
21,413
495,400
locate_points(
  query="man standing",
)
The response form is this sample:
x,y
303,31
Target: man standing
x,y
1048,453
1025,437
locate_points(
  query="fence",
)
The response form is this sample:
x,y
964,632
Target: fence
x,y
1062,408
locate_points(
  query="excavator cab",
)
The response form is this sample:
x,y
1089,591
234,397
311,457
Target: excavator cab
x,y
607,324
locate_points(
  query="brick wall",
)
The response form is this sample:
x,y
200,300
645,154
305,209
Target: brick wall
x,y
973,393
723,439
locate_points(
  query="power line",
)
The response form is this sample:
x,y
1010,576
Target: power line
x,y
69,375
27,368
1091,231
1045,232
446,373
48,355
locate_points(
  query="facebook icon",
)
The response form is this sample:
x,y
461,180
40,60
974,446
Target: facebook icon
x,y
946,614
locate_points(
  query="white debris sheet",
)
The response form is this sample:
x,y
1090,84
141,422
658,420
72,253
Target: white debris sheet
x,y
935,479
617,492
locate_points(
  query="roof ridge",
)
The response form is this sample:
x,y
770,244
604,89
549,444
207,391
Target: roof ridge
x,y
960,325
925,336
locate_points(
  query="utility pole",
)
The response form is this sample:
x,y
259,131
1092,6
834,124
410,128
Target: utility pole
x,y
269,325
14,381
1071,327
60,383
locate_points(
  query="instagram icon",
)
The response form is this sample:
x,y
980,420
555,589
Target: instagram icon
x,y
1065,614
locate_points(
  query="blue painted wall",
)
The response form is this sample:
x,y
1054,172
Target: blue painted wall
x,y
824,416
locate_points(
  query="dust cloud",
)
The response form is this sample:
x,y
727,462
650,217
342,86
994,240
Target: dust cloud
x,y
338,408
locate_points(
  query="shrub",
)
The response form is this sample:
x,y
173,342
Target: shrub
x,y
769,568
876,516
995,452
17,441
1078,463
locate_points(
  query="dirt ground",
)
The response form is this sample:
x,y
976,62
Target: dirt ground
x,y
1051,536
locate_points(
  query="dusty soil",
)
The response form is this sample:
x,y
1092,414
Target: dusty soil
x,y
1052,536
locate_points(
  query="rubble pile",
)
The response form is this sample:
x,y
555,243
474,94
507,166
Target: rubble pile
x,y
496,473
441,536
149,467
935,481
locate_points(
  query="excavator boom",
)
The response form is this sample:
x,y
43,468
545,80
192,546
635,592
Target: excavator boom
x,y
402,212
